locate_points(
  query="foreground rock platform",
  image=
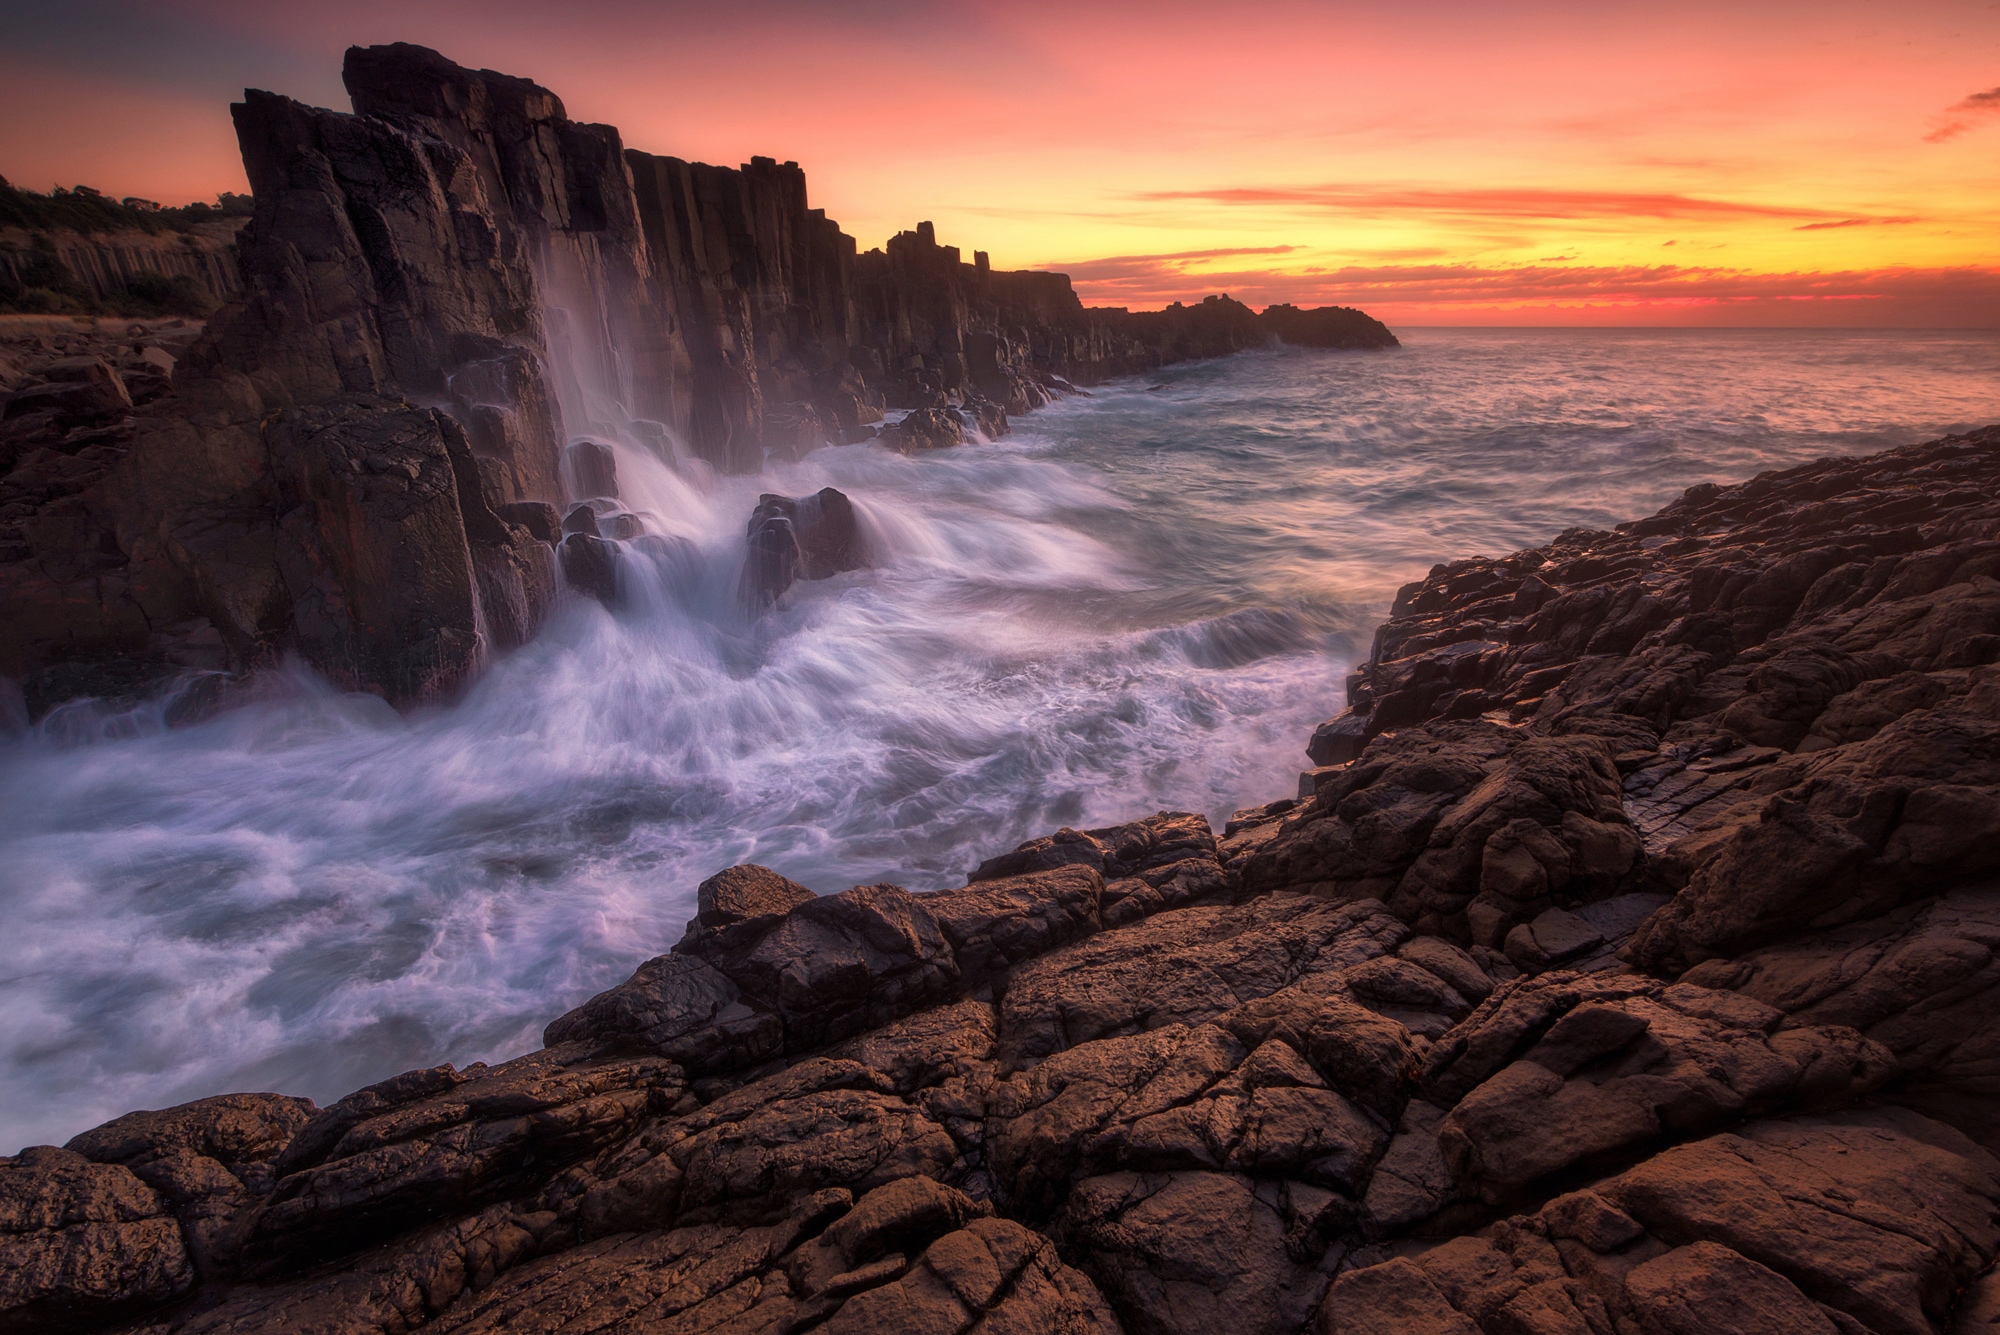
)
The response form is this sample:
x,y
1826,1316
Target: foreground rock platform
x,y
1625,968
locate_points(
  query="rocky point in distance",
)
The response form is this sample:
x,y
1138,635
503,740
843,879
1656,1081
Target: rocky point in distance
x,y
1625,966
369,455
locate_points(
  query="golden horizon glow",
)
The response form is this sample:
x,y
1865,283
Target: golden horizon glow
x,y
1443,164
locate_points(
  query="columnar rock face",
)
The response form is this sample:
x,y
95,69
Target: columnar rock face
x,y
438,292
291,492
111,264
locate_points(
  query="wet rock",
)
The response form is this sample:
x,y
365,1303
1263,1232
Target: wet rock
x,y
1706,1287
929,1048
926,429
772,563
1140,849
682,1009
593,469
746,894
1212,1097
839,964
1411,1181
1343,1041
735,909
1184,966
1910,811
538,517
1921,982
620,525
1200,1251
1777,1194
1787,672
992,1275
1751,1230
1393,1298
1553,938
210,1160
400,1152
82,1243
812,537
994,925
819,1125
460,242
590,565
1566,1071
81,391
1463,828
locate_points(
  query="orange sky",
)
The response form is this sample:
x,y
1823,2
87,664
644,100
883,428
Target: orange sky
x,y
1434,163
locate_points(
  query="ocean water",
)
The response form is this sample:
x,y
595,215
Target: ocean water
x,y
1144,598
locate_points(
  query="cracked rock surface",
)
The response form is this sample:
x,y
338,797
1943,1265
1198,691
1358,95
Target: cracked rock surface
x,y
1627,968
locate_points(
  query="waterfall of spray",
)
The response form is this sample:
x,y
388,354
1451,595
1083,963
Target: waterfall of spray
x,y
674,541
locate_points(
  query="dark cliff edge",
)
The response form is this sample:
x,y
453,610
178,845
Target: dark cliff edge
x,y
1627,968
439,293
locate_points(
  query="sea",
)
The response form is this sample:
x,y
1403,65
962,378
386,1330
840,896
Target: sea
x,y
1144,598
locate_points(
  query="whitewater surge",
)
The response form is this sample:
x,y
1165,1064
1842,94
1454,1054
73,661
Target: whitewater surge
x,y
1144,598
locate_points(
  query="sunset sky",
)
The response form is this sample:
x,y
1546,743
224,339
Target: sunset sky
x,y
1435,163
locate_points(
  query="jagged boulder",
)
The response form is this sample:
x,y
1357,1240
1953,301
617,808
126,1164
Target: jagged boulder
x,y
680,1008
211,1161
1754,1230
812,537
83,1243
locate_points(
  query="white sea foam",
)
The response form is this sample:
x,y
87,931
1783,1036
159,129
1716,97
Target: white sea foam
x,y
1140,600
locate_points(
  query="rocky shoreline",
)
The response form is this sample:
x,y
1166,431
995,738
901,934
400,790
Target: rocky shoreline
x,y
1625,966
444,296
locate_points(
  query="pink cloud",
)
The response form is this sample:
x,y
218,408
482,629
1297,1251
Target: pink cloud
x,y
1488,203
1967,112
1964,297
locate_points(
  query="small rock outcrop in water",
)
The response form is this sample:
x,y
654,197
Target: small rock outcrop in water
x,y
1326,327
1635,975
460,268
812,537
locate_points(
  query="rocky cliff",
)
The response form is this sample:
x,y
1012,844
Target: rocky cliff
x,y
79,252
442,293
1628,968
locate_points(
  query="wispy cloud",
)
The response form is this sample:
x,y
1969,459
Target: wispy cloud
x,y
1446,292
1117,268
1966,114
1486,203
1857,222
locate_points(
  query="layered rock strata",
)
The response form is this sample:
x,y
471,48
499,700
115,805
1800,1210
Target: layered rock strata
x,y
438,293
1472,1038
